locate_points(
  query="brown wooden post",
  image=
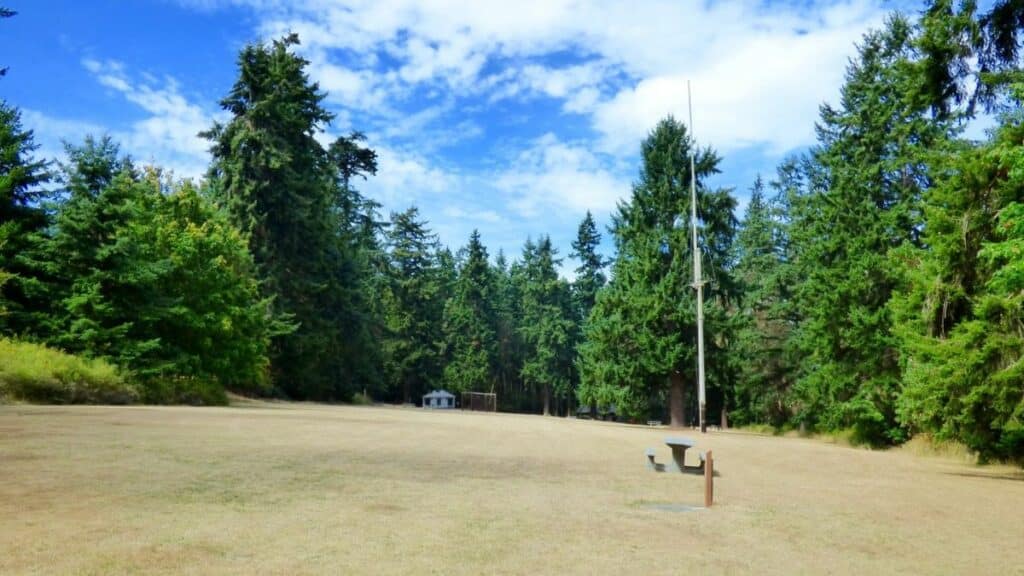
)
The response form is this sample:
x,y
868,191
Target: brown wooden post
x,y
709,480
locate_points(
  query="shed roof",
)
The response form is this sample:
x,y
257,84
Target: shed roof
x,y
439,394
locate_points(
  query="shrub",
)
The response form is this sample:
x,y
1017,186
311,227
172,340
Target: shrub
x,y
362,399
183,390
35,373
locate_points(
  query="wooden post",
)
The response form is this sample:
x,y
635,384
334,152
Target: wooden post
x,y
709,480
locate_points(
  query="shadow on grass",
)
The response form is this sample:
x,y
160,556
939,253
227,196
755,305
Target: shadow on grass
x,y
1011,476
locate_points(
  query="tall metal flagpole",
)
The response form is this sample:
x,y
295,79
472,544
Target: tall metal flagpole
x,y
698,282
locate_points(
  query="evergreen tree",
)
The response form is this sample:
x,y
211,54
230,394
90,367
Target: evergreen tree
x,y
281,189
872,173
590,277
547,327
107,282
22,220
960,313
469,324
416,306
762,388
513,395
157,281
968,57
641,335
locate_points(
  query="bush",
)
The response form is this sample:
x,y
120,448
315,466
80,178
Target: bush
x,y
361,399
183,390
35,373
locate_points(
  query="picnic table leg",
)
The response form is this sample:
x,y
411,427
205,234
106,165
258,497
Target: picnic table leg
x,y
679,458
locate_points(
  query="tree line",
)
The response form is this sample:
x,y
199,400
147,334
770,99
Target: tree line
x,y
875,283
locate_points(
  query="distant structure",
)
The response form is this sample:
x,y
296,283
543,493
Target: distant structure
x,y
439,399
483,401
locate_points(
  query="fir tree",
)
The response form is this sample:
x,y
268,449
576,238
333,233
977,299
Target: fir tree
x,y
416,306
22,220
547,324
641,334
281,189
469,324
872,169
590,277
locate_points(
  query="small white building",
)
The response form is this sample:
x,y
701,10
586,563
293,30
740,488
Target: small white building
x,y
439,399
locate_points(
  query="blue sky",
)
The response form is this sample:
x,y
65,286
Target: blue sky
x,y
511,117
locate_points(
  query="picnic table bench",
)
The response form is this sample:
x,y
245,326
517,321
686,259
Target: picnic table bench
x,y
679,445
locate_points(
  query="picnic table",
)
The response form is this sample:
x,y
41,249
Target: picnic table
x,y
679,445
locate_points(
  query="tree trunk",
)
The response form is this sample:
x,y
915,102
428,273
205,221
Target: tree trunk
x,y
676,400
725,419
405,391
547,400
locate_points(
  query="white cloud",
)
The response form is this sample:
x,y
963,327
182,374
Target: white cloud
x,y
760,70
405,178
765,91
553,176
169,134
477,216
51,132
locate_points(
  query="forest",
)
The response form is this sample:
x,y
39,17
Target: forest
x,y
873,285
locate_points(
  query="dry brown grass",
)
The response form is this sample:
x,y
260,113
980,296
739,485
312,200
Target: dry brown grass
x,y
305,489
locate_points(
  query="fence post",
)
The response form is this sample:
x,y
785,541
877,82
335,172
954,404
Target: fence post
x,y
709,480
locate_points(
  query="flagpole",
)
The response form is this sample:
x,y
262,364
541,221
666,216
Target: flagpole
x,y
698,282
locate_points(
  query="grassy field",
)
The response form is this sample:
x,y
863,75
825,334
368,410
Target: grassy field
x,y
307,489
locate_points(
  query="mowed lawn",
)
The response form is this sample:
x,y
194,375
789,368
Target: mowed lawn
x,y
309,489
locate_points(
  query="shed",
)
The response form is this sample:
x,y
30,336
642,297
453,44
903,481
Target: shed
x,y
439,399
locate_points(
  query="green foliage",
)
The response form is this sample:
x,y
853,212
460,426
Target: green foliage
x,y
963,309
414,307
214,325
156,280
642,331
590,277
762,392
548,327
508,312
22,220
871,169
968,57
34,373
306,227
469,324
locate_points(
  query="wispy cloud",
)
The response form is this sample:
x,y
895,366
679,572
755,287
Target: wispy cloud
x,y
554,176
750,60
168,133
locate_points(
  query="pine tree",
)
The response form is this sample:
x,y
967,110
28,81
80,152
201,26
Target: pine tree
x,y
512,394
469,324
641,334
107,282
416,306
547,327
281,189
590,277
960,312
872,173
23,296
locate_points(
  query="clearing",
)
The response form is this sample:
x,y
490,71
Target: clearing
x,y
308,489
